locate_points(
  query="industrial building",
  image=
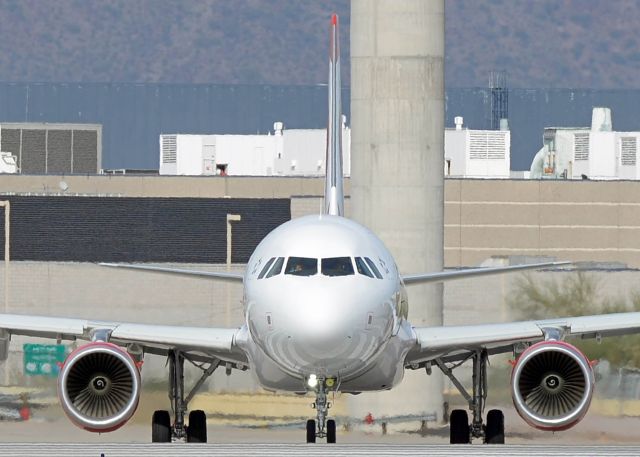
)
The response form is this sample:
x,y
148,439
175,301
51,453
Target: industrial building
x,y
477,153
301,152
596,152
134,115
283,152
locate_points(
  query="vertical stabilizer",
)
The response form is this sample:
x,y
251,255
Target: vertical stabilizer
x,y
333,188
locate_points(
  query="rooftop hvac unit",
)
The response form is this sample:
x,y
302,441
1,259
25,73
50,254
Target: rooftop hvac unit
x,y
169,149
581,146
42,148
628,146
486,145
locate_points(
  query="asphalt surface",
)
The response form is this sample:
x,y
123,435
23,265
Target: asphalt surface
x,y
267,450
595,436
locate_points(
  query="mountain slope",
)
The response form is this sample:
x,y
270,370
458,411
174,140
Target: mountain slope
x,y
542,43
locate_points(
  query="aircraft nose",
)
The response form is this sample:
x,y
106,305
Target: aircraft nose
x,y
319,321
329,326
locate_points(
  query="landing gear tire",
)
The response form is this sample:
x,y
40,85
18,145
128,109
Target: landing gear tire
x,y
459,427
165,431
197,429
311,431
161,427
331,431
494,430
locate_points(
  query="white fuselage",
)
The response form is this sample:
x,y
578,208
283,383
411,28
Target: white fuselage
x,y
323,297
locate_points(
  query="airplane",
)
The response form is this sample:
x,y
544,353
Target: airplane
x,y
326,310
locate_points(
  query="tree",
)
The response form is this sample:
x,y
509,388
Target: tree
x,y
578,295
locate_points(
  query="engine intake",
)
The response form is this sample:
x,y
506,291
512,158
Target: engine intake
x,y
552,385
99,387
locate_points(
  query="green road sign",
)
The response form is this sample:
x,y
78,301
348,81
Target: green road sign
x,y
43,359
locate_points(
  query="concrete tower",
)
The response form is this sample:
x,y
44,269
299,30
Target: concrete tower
x,y
397,144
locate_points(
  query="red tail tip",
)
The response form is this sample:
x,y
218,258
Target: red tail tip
x,y
334,19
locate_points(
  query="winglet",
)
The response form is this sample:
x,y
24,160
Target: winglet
x,y
333,189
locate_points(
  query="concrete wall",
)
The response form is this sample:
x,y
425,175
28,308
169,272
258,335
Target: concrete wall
x,y
164,186
397,142
569,220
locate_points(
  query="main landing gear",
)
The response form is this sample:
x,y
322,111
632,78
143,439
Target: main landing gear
x,y
162,431
323,428
461,431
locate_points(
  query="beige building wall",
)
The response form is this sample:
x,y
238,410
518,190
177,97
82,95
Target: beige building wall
x,y
571,220
163,186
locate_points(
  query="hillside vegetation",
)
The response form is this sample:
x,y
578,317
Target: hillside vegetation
x,y
542,43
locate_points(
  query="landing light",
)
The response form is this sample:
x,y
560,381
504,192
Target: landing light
x,y
312,381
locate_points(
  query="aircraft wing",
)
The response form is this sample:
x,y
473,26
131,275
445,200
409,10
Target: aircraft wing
x,y
473,272
457,342
203,342
223,275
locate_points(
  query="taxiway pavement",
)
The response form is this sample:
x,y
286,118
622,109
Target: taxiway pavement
x,y
303,450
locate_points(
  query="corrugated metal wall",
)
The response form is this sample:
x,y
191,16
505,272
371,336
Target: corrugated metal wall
x,y
103,229
53,149
134,115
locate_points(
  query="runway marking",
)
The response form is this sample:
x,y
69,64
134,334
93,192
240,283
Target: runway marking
x,y
540,250
546,226
539,203
268,450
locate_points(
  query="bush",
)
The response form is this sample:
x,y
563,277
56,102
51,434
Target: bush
x,y
578,295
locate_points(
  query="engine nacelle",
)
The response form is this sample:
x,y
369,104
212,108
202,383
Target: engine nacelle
x,y
552,385
99,387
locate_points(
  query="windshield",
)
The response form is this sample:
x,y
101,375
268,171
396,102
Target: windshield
x,y
301,266
362,267
337,266
373,267
277,268
266,268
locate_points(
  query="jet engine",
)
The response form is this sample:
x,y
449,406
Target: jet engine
x,y
99,387
552,385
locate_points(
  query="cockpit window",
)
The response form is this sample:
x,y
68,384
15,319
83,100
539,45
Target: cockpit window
x,y
266,268
362,267
373,268
337,266
276,268
301,266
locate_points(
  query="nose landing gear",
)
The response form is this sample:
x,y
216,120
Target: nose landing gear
x,y
323,428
